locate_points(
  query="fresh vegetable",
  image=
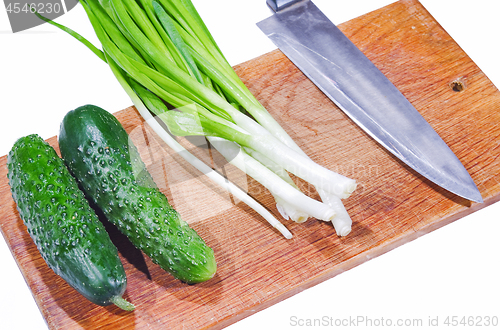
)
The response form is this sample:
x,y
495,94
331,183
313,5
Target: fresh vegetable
x,y
97,150
65,229
161,51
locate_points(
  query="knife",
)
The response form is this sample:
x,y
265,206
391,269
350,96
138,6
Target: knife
x,y
341,71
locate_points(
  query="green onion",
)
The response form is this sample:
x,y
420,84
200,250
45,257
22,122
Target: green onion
x,y
162,54
270,180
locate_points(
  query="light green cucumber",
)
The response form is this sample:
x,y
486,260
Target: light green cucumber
x,y
66,230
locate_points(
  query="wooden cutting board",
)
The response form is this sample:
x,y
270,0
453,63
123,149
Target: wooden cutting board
x,y
257,266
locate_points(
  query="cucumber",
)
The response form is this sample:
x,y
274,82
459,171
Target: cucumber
x,y
66,230
97,150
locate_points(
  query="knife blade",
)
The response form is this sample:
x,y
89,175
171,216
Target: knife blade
x,y
341,71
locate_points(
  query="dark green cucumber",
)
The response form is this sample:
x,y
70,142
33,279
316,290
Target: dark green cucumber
x,y
66,230
98,152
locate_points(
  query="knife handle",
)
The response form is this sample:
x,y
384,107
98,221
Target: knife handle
x,y
278,5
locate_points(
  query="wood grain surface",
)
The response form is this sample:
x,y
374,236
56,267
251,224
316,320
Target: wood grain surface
x,y
257,266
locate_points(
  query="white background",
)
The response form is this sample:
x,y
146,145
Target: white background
x,y
451,272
